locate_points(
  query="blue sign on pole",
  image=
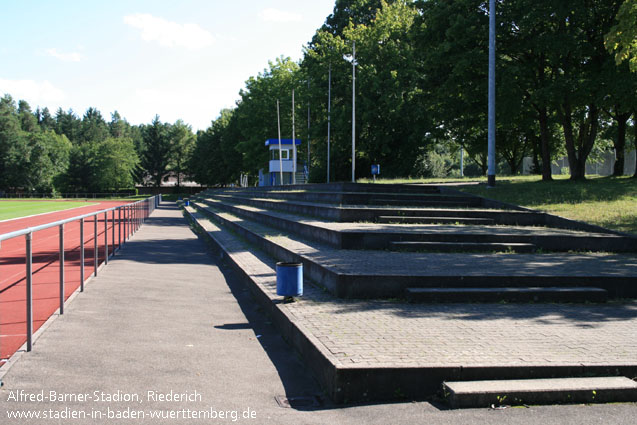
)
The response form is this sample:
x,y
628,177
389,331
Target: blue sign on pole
x,y
375,169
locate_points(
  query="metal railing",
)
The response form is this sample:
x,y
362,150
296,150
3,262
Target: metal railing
x,y
130,218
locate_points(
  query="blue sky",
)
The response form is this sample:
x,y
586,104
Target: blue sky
x,y
179,59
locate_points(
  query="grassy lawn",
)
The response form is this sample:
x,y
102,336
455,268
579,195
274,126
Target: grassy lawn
x,y
15,209
605,201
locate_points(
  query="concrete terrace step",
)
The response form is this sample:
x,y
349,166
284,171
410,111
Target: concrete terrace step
x,y
433,220
352,213
540,391
351,187
523,294
378,274
417,347
380,236
366,198
463,247
441,200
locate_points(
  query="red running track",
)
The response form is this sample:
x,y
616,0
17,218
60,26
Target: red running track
x,y
46,266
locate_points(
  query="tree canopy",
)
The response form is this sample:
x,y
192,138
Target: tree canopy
x,y
565,82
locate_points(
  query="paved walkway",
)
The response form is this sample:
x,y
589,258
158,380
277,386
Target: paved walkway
x,y
162,319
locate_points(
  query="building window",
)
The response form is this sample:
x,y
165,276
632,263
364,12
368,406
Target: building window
x,y
285,154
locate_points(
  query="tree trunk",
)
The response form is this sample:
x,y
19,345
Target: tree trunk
x,y
512,164
578,150
545,136
537,167
620,144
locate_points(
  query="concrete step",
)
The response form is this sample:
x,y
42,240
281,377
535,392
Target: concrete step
x,y
522,294
433,220
540,391
355,279
350,187
358,214
440,200
379,236
463,246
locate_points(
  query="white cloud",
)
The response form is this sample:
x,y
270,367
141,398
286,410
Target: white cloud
x,y
280,16
66,57
170,34
34,92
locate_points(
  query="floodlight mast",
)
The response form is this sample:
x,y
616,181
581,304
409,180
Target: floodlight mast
x,y
278,120
353,111
308,127
491,135
329,117
293,144
352,59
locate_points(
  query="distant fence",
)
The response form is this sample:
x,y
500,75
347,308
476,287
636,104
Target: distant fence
x,y
603,165
122,221
168,190
69,195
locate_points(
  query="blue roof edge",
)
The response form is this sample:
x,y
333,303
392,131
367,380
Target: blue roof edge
x,y
270,142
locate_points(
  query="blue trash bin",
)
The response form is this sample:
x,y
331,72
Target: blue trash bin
x,y
289,279
187,202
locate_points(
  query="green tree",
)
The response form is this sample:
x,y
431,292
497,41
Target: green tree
x,y
81,173
69,124
45,120
183,142
621,39
9,135
93,127
115,164
358,12
28,121
581,58
388,99
256,115
390,120
104,166
156,151
215,160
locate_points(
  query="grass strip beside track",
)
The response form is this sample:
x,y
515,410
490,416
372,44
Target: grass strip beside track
x,y
15,209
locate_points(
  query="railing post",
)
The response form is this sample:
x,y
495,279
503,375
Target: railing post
x,y
119,228
113,224
61,268
29,261
106,238
81,255
95,247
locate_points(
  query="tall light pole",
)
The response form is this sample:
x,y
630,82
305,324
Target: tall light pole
x,y
353,60
293,144
308,126
278,122
329,117
491,147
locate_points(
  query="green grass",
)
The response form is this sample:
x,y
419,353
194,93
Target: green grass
x,y
15,209
610,202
